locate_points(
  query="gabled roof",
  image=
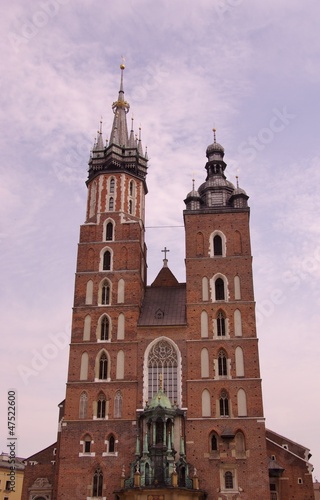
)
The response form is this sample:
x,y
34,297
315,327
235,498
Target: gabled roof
x,y
45,455
282,440
164,302
288,446
165,278
164,306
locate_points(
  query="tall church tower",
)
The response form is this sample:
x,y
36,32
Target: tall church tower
x,y
163,396
110,281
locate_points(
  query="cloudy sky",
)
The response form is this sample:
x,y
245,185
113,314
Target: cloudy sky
x,y
249,68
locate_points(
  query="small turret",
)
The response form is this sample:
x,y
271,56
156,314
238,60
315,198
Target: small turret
x,y
193,199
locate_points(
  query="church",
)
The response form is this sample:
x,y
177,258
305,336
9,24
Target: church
x,y
163,397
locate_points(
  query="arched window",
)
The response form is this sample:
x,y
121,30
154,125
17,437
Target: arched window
x,y
163,360
120,365
87,444
121,324
101,406
204,324
118,405
111,204
105,293
237,288
131,203
103,367
221,324
120,298
217,245
106,261
224,404
206,403
104,328
228,480
237,323
111,444
89,292
204,363
112,185
222,364
83,405
239,362
219,289
109,231
97,483
205,288
240,445
242,403
214,442
87,327
84,366
182,476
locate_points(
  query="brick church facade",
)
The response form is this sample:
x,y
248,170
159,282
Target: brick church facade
x,y
163,397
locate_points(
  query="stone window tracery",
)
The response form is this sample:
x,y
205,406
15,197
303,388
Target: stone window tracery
x,y
97,483
163,360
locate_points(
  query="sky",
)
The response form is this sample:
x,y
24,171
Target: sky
x,y
251,70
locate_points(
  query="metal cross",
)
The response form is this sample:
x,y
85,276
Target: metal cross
x,y
165,250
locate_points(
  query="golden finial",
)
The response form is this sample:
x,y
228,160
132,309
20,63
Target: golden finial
x,y
214,135
122,66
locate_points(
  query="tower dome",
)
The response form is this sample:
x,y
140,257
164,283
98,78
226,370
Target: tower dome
x,y
239,198
193,199
215,151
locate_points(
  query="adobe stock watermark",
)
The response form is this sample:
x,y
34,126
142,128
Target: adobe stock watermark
x,y
222,7
47,9
153,77
277,123
41,357
294,278
67,171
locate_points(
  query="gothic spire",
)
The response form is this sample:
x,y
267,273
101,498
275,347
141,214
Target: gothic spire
x,y
123,151
132,141
99,144
119,132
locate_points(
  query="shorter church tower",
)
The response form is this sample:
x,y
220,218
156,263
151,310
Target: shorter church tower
x,y
225,421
